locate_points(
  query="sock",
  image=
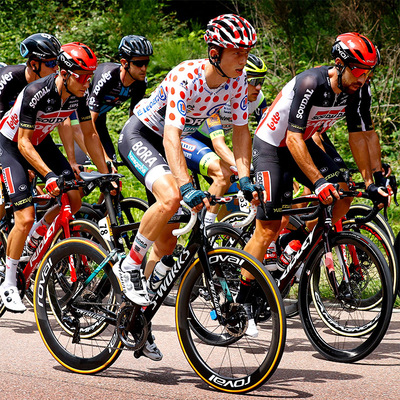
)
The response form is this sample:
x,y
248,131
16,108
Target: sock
x,y
135,257
244,291
209,218
10,278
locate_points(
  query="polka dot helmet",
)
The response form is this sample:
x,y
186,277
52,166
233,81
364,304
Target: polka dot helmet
x,y
230,31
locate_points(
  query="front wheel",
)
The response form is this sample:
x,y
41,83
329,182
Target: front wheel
x,y
218,349
343,327
77,319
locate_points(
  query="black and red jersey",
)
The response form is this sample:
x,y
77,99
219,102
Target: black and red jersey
x,y
307,104
39,108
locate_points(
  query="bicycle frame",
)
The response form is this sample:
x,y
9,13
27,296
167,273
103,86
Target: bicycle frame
x,y
61,221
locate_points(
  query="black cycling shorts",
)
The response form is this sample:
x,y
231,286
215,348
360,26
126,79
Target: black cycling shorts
x,y
142,151
15,169
275,169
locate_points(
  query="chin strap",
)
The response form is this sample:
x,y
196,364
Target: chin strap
x,y
66,85
216,65
340,68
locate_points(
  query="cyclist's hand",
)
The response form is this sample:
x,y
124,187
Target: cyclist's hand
x,y
386,170
194,198
325,191
251,190
51,184
381,178
379,195
77,169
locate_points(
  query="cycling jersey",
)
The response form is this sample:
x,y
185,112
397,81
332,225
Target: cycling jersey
x,y
12,81
106,92
307,104
39,108
106,89
184,99
221,123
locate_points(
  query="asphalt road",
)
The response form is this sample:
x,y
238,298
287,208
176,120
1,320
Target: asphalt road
x,y
28,371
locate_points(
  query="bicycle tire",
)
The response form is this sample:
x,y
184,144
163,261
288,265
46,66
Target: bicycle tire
x,y
83,228
88,211
363,210
384,244
85,319
3,249
339,330
212,362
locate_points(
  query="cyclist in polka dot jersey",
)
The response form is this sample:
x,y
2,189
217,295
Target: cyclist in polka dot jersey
x,y
150,144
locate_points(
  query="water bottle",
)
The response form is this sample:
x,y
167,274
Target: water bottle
x,y
160,271
270,257
286,257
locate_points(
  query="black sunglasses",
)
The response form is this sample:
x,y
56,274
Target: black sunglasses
x,y
256,81
140,63
50,64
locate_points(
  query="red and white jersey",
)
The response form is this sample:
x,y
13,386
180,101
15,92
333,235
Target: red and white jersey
x,y
39,108
184,99
307,104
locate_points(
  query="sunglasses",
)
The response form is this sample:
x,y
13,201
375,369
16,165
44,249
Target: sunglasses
x,y
357,71
50,63
256,81
140,63
81,78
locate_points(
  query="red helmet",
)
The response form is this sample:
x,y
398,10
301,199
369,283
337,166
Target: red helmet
x,y
77,56
230,31
355,48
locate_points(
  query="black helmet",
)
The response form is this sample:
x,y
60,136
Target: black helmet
x,y
41,46
134,46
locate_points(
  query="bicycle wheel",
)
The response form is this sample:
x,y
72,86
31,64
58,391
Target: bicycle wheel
x,y
89,212
379,238
220,353
362,210
80,331
82,228
219,235
340,327
3,248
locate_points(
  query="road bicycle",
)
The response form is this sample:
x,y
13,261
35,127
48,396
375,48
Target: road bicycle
x,y
63,226
91,321
344,296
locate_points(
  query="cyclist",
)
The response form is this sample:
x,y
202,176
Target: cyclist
x,y
114,83
41,50
206,151
312,102
150,143
25,144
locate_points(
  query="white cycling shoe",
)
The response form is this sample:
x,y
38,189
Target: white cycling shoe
x,y
133,285
11,299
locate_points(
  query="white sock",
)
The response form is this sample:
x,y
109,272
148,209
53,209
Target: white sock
x,y
135,257
209,218
10,278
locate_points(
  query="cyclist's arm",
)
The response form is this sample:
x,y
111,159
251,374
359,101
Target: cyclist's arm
x,y
67,138
94,146
366,151
301,155
222,149
241,143
94,115
174,154
27,149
